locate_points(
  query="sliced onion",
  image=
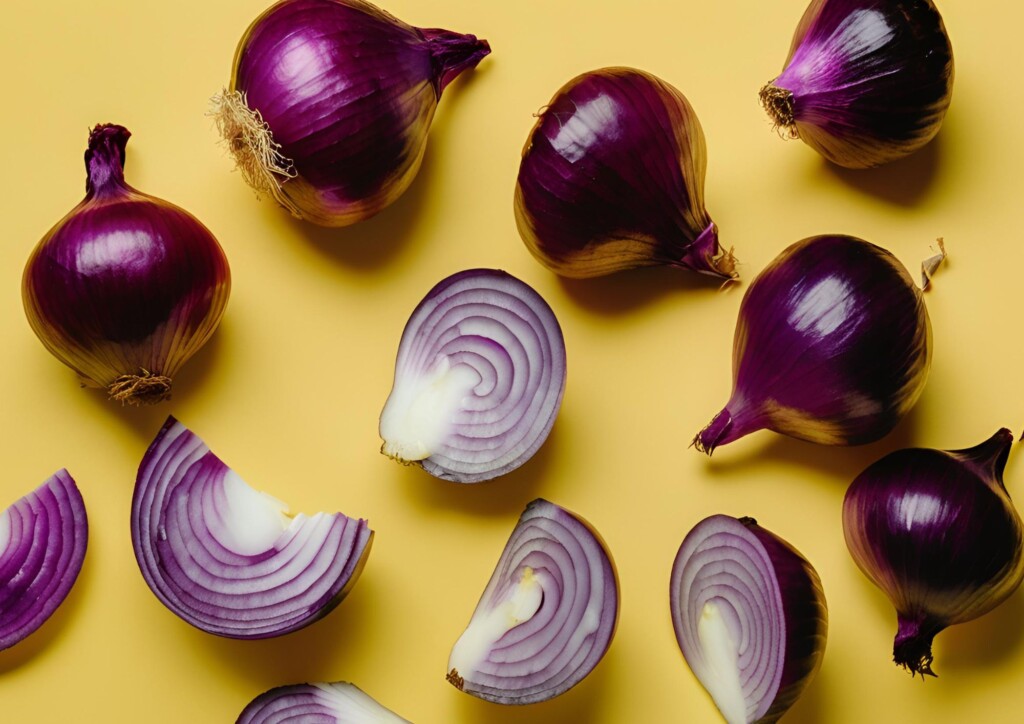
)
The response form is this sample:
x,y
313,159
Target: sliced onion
x,y
750,617
228,559
548,613
43,537
317,703
478,380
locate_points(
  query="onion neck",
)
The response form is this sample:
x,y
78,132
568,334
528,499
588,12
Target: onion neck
x,y
706,256
104,159
451,54
727,426
989,458
912,648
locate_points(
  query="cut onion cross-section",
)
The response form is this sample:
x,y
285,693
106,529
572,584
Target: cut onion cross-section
x,y
479,378
228,559
43,537
317,703
547,616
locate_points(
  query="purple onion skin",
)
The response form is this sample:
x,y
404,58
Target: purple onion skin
x,y
47,536
937,532
833,346
869,108
126,287
612,178
348,92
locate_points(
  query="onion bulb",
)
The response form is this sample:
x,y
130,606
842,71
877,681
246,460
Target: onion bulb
x,y
228,559
479,378
750,617
126,287
330,103
547,616
937,532
329,703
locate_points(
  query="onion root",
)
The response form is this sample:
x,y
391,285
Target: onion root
x,y
778,102
453,678
144,388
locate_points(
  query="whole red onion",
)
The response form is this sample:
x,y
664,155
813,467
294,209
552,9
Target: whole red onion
x,y
126,287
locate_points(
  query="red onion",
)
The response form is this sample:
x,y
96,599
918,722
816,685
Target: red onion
x,y
330,103
479,378
749,615
866,81
126,287
548,613
339,702
612,178
228,559
833,345
936,531
43,537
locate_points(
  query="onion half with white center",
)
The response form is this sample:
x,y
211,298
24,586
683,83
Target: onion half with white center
x,y
479,378
548,613
319,703
227,558
43,537
749,615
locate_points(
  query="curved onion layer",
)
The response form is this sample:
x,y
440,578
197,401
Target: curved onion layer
x,y
318,703
936,531
330,103
866,81
750,617
126,287
479,378
548,613
228,559
612,178
833,345
43,537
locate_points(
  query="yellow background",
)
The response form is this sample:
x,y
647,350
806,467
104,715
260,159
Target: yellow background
x,y
289,390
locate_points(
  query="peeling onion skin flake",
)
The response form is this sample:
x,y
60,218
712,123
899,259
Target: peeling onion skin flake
x,y
228,559
43,538
732,582
317,703
479,379
547,616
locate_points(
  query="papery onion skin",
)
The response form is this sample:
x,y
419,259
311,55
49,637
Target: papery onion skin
x,y
937,532
321,702
833,346
126,287
536,658
330,103
43,539
491,328
791,598
612,178
184,527
866,82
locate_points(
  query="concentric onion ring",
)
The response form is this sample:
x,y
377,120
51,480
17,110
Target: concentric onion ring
x,y
226,558
547,616
749,616
478,380
43,537
324,703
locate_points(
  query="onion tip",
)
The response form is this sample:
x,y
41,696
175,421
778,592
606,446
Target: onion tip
x,y
144,388
453,54
712,435
453,678
931,264
778,103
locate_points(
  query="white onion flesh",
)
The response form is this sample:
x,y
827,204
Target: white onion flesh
x,y
317,703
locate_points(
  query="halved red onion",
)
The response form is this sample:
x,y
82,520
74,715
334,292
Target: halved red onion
x,y
548,613
43,537
750,617
319,703
479,378
228,559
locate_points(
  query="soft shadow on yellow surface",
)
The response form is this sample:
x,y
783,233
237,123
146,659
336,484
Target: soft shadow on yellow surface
x,y
632,290
905,182
983,642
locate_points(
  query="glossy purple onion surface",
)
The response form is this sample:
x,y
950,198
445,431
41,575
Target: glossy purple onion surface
x,y
318,703
479,378
43,537
833,345
548,613
126,287
612,178
330,103
866,81
937,532
749,615
228,559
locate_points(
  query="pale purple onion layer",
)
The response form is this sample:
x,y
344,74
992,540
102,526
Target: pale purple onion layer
x,y
317,703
